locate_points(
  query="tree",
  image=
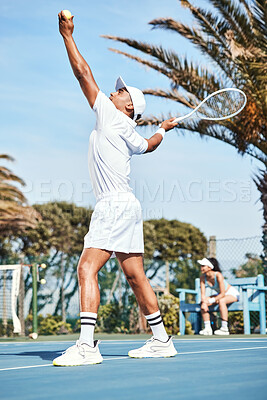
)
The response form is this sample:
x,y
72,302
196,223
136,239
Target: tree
x,y
252,267
178,243
57,240
14,212
233,37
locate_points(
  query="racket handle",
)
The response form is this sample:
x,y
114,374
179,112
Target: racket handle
x,y
178,119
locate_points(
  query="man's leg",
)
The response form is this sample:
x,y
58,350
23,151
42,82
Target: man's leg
x,y
86,351
132,266
91,261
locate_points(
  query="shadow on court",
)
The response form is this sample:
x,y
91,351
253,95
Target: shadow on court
x,y
44,355
50,355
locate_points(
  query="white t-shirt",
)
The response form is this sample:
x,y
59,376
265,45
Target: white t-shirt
x,y
111,146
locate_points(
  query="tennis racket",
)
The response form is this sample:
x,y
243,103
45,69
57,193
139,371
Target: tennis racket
x,y
222,104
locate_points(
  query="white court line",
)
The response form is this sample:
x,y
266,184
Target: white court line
x,y
50,365
177,341
222,350
28,366
103,341
125,357
127,341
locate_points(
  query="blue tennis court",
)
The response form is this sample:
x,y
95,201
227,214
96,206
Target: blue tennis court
x,y
230,368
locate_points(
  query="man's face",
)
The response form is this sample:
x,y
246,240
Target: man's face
x,y
121,99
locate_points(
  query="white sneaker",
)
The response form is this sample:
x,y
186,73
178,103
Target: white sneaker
x,y
206,332
222,332
79,354
154,348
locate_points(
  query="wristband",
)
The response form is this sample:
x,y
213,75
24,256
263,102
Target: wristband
x,y
212,300
161,131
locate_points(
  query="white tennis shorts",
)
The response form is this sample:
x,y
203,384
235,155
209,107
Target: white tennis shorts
x,y
233,292
116,224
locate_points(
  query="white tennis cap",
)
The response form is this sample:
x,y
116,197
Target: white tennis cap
x,y
137,97
205,261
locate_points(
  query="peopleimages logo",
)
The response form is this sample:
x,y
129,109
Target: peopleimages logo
x,y
194,191
164,191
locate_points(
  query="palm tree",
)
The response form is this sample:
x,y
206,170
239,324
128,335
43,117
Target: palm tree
x,y
14,213
232,35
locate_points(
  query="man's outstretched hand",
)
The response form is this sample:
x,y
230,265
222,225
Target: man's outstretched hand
x,y
168,124
66,25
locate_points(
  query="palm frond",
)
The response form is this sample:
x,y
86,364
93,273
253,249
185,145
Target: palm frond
x,y
193,78
261,182
203,128
14,213
246,6
6,157
213,26
11,193
207,46
174,95
156,67
16,217
259,8
7,175
237,20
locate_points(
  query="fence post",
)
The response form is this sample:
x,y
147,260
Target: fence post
x,y
246,314
264,258
262,306
21,301
212,247
167,272
181,314
198,301
34,298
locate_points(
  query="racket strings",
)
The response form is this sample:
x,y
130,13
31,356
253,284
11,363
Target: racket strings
x,y
221,105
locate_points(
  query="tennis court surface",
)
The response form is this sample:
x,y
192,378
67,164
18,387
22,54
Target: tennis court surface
x,y
223,368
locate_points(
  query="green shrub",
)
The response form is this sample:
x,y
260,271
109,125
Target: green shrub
x,y
7,330
169,308
49,325
108,318
236,323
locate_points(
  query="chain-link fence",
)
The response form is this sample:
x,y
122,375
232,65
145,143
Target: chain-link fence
x,y
237,254
238,257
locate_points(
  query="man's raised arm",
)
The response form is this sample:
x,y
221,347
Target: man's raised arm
x,y
156,139
78,64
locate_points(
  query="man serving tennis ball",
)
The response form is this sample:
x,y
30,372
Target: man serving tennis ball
x,y
116,225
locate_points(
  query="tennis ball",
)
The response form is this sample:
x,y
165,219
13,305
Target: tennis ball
x,y
179,333
33,335
43,281
67,14
43,266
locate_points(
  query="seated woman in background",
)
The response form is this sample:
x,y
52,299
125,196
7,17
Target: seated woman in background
x,y
212,277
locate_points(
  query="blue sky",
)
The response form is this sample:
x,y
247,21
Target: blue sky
x,y
46,122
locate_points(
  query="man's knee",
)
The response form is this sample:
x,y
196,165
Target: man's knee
x,y
136,280
87,269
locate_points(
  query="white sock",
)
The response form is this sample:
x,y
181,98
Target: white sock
x,y
88,321
207,324
157,327
225,325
